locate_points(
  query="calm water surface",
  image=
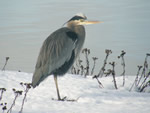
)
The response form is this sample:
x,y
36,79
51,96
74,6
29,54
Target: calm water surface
x,y
24,25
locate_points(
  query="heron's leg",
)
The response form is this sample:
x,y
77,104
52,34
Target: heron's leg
x,y
55,79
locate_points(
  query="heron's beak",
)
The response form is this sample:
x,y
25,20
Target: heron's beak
x,y
86,22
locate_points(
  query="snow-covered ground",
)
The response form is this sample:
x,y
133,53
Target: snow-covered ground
x,y
92,99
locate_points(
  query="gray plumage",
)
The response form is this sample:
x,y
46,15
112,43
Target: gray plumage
x,y
55,52
60,50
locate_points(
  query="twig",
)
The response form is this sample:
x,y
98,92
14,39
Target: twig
x,y
17,93
101,72
27,87
4,106
100,84
7,58
136,79
123,64
113,74
82,70
145,68
73,70
86,52
109,71
2,91
144,84
79,66
94,59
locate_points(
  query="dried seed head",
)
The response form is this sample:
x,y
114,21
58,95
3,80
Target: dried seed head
x,y
139,67
84,50
123,53
88,51
21,83
3,89
14,89
29,85
7,58
107,51
148,54
19,92
4,108
94,58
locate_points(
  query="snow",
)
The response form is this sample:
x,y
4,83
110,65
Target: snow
x,y
91,98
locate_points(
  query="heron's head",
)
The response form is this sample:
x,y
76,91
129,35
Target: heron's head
x,y
81,19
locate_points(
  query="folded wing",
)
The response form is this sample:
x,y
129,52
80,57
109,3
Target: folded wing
x,y
56,54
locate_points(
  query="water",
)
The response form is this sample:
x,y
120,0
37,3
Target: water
x,y
24,25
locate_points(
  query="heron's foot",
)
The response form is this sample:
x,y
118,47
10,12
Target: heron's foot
x,y
66,99
62,99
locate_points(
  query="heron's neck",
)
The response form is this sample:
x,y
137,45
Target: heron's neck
x,y
79,29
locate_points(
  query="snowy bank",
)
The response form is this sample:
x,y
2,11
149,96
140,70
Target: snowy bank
x,y
91,98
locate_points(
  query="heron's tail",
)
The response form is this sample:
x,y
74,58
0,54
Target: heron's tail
x,y
37,78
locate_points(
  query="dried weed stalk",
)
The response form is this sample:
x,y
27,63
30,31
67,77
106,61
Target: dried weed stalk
x,y
26,90
94,60
17,94
113,73
2,91
86,52
4,106
101,72
7,58
144,80
137,77
123,64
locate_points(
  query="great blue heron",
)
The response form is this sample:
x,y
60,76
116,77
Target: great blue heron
x,y
60,50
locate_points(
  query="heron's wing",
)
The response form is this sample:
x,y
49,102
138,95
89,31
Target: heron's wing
x,y
56,50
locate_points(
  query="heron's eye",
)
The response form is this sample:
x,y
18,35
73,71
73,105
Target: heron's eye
x,y
81,20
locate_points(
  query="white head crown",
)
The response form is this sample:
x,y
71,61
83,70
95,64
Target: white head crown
x,y
81,15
